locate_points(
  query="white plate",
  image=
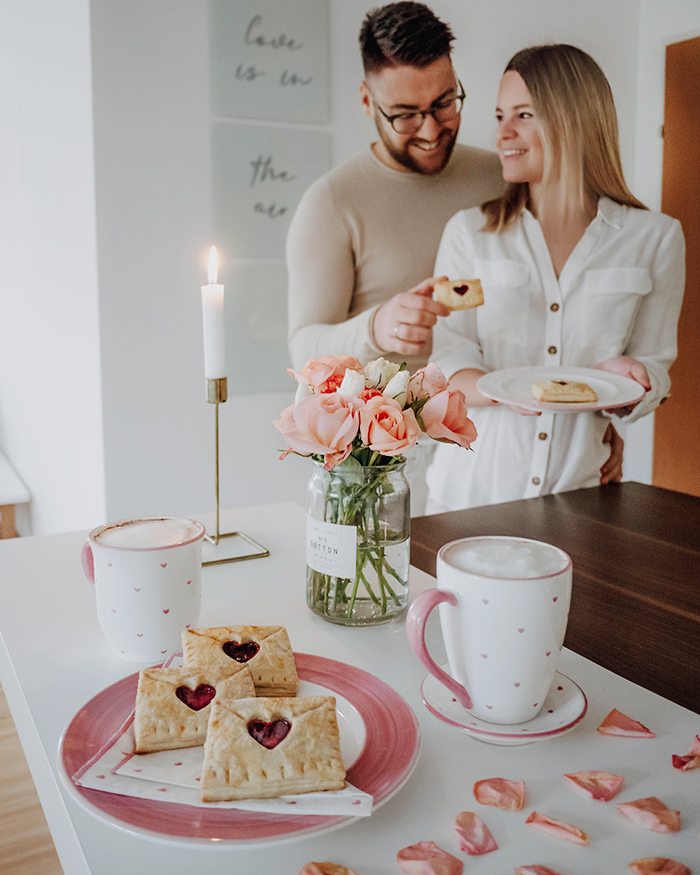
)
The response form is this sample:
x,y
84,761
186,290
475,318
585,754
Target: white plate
x,y
514,386
563,709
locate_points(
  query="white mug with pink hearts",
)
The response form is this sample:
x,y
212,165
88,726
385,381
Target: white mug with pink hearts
x,y
504,606
147,574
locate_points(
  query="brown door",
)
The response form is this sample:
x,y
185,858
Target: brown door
x,y
677,422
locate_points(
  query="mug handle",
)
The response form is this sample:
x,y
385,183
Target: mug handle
x,y
417,617
88,561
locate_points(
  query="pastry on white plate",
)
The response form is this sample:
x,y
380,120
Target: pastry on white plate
x,y
266,747
266,650
173,704
563,392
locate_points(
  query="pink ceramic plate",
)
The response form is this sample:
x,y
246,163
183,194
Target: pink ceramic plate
x,y
385,764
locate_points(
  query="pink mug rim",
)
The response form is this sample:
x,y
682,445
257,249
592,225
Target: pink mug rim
x,y
95,532
445,547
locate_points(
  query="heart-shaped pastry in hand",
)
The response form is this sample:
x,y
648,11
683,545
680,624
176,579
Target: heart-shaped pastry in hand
x,y
241,652
270,734
198,698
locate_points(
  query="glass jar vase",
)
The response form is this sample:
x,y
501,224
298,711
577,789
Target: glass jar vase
x,y
358,542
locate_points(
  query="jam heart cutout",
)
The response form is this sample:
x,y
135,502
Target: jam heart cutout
x,y
270,734
196,699
163,564
521,630
241,652
485,601
516,684
166,610
554,598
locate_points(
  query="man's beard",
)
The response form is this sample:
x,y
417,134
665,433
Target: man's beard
x,y
402,156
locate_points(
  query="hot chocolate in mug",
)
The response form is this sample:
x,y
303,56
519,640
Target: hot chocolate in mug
x,y
147,574
504,606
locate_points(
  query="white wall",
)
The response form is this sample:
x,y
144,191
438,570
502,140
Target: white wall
x,y
50,394
152,205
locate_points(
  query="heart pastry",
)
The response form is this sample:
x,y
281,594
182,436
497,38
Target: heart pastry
x,y
266,650
173,704
244,757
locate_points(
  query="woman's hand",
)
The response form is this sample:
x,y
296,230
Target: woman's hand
x,y
404,324
611,471
626,366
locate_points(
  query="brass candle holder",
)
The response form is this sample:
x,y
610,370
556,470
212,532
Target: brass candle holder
x,y
217,393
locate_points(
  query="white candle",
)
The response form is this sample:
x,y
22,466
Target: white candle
x,y
213,320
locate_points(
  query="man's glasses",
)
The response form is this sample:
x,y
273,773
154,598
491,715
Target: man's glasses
x,y
446,110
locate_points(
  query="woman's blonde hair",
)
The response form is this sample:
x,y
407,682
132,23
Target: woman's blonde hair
x,y
574,106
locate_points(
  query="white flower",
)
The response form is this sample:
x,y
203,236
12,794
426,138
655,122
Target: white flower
x,y
397,387
303,391
353,384
379,372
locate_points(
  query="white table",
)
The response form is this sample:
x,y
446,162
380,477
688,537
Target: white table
x,y
53,659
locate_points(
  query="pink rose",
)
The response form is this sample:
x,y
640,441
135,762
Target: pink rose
x,y
318,372
426,382
445,419
321,424
386,428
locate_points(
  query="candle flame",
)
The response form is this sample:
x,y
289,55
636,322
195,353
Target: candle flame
x,y
213,266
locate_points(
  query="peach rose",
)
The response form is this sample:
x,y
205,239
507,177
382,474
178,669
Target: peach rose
x,y
318,372
445,419
426,382
386,428
321,424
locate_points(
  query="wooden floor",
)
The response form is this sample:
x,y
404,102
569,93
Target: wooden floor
x,y
26,847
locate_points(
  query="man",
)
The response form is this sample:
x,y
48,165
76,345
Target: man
x,y
368,231
365,236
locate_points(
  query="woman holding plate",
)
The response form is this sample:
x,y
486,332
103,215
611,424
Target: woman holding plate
x,y
576,273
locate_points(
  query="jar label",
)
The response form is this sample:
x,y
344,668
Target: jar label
x,y
330,548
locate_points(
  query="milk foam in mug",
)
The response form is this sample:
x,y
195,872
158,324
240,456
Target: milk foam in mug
x,y
147,574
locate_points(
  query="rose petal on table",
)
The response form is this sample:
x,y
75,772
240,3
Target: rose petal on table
x,y
597,785
557,828
473,835
326,869
535,870
646,865
500,792
426,858
651,813
691,760
617,723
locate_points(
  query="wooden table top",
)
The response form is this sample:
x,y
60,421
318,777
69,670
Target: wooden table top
x,y
635,606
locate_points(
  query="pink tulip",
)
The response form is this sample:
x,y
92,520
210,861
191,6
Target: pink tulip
x,y
445,419
326,373
321,424
386,428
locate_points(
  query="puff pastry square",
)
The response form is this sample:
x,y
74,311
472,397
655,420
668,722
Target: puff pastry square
x,y
266,650
563,391
459,294
264,747
173,704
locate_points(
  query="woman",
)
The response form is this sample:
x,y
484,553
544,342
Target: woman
x,y
576,273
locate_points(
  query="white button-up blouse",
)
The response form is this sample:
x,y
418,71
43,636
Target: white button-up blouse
x,y
619,293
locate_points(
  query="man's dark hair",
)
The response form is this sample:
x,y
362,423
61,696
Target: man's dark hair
x,y
403,33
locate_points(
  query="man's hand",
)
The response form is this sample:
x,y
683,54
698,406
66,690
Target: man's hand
x,y
405,323
626,366
611,472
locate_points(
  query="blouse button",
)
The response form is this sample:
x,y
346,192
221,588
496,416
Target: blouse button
x,y
536,481
554,307
543,435
552,350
